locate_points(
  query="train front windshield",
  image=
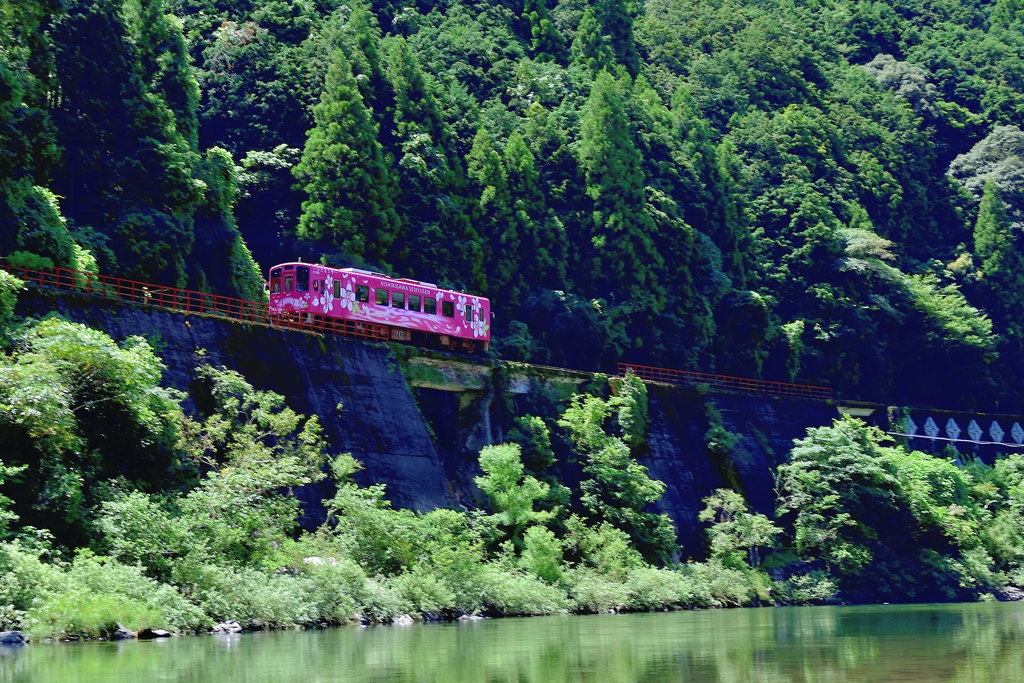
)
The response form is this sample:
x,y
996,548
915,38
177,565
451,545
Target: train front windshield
x,y
275,281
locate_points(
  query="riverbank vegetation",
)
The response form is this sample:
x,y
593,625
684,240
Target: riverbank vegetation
x,y
123,507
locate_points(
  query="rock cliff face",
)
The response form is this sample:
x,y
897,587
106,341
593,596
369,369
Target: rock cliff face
x,y
421,440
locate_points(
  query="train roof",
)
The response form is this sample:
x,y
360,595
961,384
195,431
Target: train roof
x,y
383,276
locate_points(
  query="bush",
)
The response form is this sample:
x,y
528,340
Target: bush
x,y
255,599
714,585
332,588
510,593
90,615
26,259
23,578
423,590
814,587
591,591
9,288
380,603
650,588
94,594
542,554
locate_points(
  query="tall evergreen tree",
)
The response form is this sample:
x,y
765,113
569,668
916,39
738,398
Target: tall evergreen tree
x,y
1000,265
127,171
620,260
344,172
546,43
440,241
701,189
590,48
617,23
542,239
494,218
166,67
30,219
226,264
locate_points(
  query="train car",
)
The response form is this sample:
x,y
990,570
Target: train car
x,y
394,308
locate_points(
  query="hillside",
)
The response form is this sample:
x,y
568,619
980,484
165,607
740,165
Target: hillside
x,y
824,191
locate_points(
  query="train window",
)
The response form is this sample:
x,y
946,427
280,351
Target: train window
x,y
430,305
469,312
448,309
398,299
287,283
382,297
414,302
362,293
302,279
275,285
337,289
316,285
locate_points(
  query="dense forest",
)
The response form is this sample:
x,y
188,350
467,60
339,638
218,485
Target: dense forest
x,y
828,192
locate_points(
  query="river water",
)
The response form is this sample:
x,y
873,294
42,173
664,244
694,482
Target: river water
x,y
964,642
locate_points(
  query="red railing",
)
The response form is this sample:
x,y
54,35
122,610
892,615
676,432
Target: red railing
x,y
243,310
726,382
189,301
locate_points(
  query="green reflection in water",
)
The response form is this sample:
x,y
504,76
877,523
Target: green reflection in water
x,y
976,642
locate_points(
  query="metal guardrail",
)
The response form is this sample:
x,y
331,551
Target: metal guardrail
x,y
727,382
258,312
190,301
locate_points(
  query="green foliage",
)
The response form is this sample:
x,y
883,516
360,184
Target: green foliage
x,y
27,259
542,554
92,595
617,252
6,516
834,482
511,492
343,171
9,288
1000,266
619,488
73,406
932,528
533,437
736,535
686,184
752,188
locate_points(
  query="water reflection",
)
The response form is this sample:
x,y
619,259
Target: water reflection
x,y
979,642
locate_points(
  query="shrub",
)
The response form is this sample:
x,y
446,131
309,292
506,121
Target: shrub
x,y
423,590
811,588
650,588
512,593
23,578
380,603
717,586
26,259
90,615
255,599
332,587
591,591
9,288
94,594
542,554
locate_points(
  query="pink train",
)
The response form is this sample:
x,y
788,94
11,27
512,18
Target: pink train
x,y
379,306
